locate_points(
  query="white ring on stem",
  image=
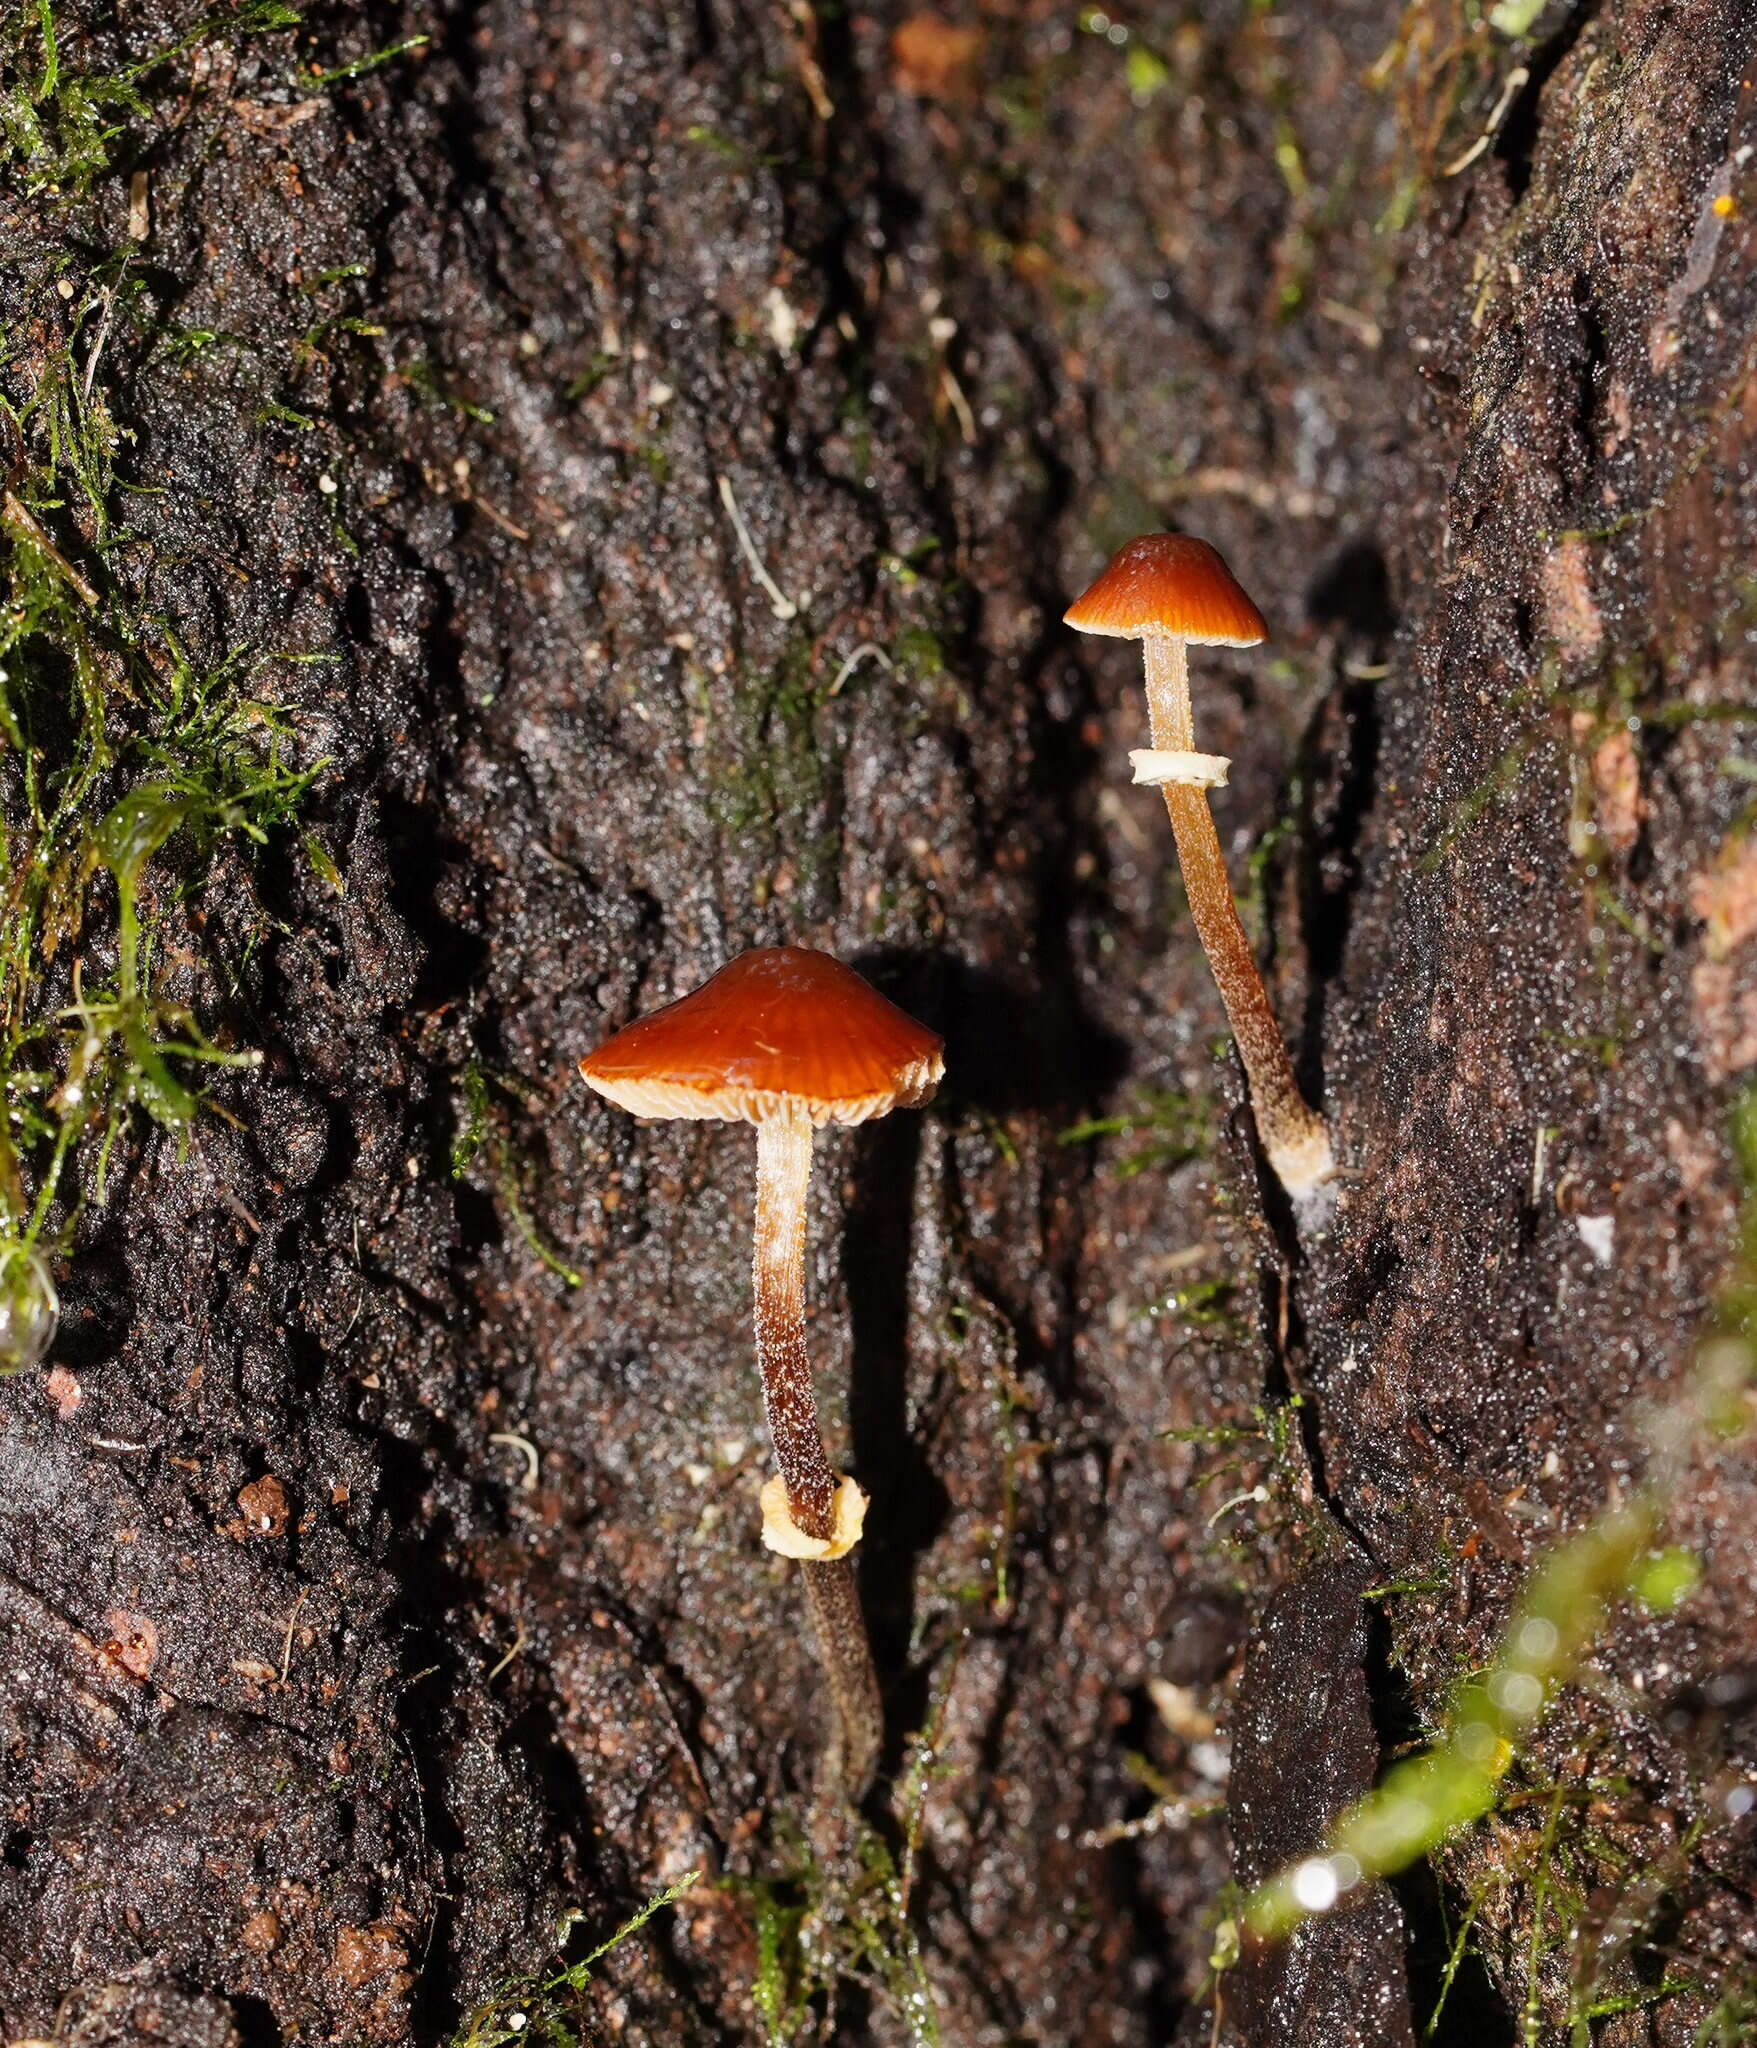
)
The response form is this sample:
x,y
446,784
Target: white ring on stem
x,y
784,1535
1154,767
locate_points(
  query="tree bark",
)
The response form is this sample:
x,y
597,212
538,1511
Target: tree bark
x,y
676,427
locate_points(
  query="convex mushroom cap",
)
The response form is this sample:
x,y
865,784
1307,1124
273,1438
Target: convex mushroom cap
x,y
779,1030
1171,584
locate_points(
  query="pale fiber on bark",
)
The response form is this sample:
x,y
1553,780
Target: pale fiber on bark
x,y
1293,1136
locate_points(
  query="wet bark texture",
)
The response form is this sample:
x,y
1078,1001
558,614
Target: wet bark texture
x,y
1303,1694
951,314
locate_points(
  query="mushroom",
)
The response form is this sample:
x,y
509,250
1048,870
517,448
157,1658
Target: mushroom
x,y
789,1040
1166,590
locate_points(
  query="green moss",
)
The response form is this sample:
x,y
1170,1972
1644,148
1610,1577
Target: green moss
x,y
1426,1799
319,81
1169,1127
113,743
125,760
820,1929
814,1929
185,345
920,652
1528,1906
483,1141
1210,1304
1259,1465
433,385
57,127
61,126
1440,85
548,2007
598,367
983,1348
1260,867
1146,73
776,770
775,761
717,143
905,570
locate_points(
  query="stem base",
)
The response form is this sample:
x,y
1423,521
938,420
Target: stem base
x,y
851,1761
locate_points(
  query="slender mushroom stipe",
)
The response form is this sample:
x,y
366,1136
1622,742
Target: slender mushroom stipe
x,y
783,1171
789,1039
1166,590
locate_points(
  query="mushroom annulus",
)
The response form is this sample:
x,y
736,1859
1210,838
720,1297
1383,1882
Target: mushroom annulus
x,y
1167,590
789,1040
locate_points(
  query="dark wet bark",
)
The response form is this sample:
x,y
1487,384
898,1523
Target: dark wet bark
x,y
1303,1748
1004,303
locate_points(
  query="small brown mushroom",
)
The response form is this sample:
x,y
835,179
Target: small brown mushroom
x,y
788,1040
1167,590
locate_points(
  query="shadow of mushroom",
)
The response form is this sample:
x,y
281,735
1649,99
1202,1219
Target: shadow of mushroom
x,y
1013,1050
909,1502
1338,764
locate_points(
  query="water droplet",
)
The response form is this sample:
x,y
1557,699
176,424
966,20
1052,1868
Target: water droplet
x,y
30,1309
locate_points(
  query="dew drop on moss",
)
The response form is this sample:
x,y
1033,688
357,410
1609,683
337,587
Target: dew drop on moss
x,y
30,1309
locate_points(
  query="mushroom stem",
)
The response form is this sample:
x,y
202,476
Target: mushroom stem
x,y
783,1169
1293,1134
834,1600
783,1151
1168,692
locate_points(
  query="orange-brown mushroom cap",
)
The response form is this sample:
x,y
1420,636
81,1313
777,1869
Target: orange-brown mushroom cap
x,y
779,1027
1168,583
